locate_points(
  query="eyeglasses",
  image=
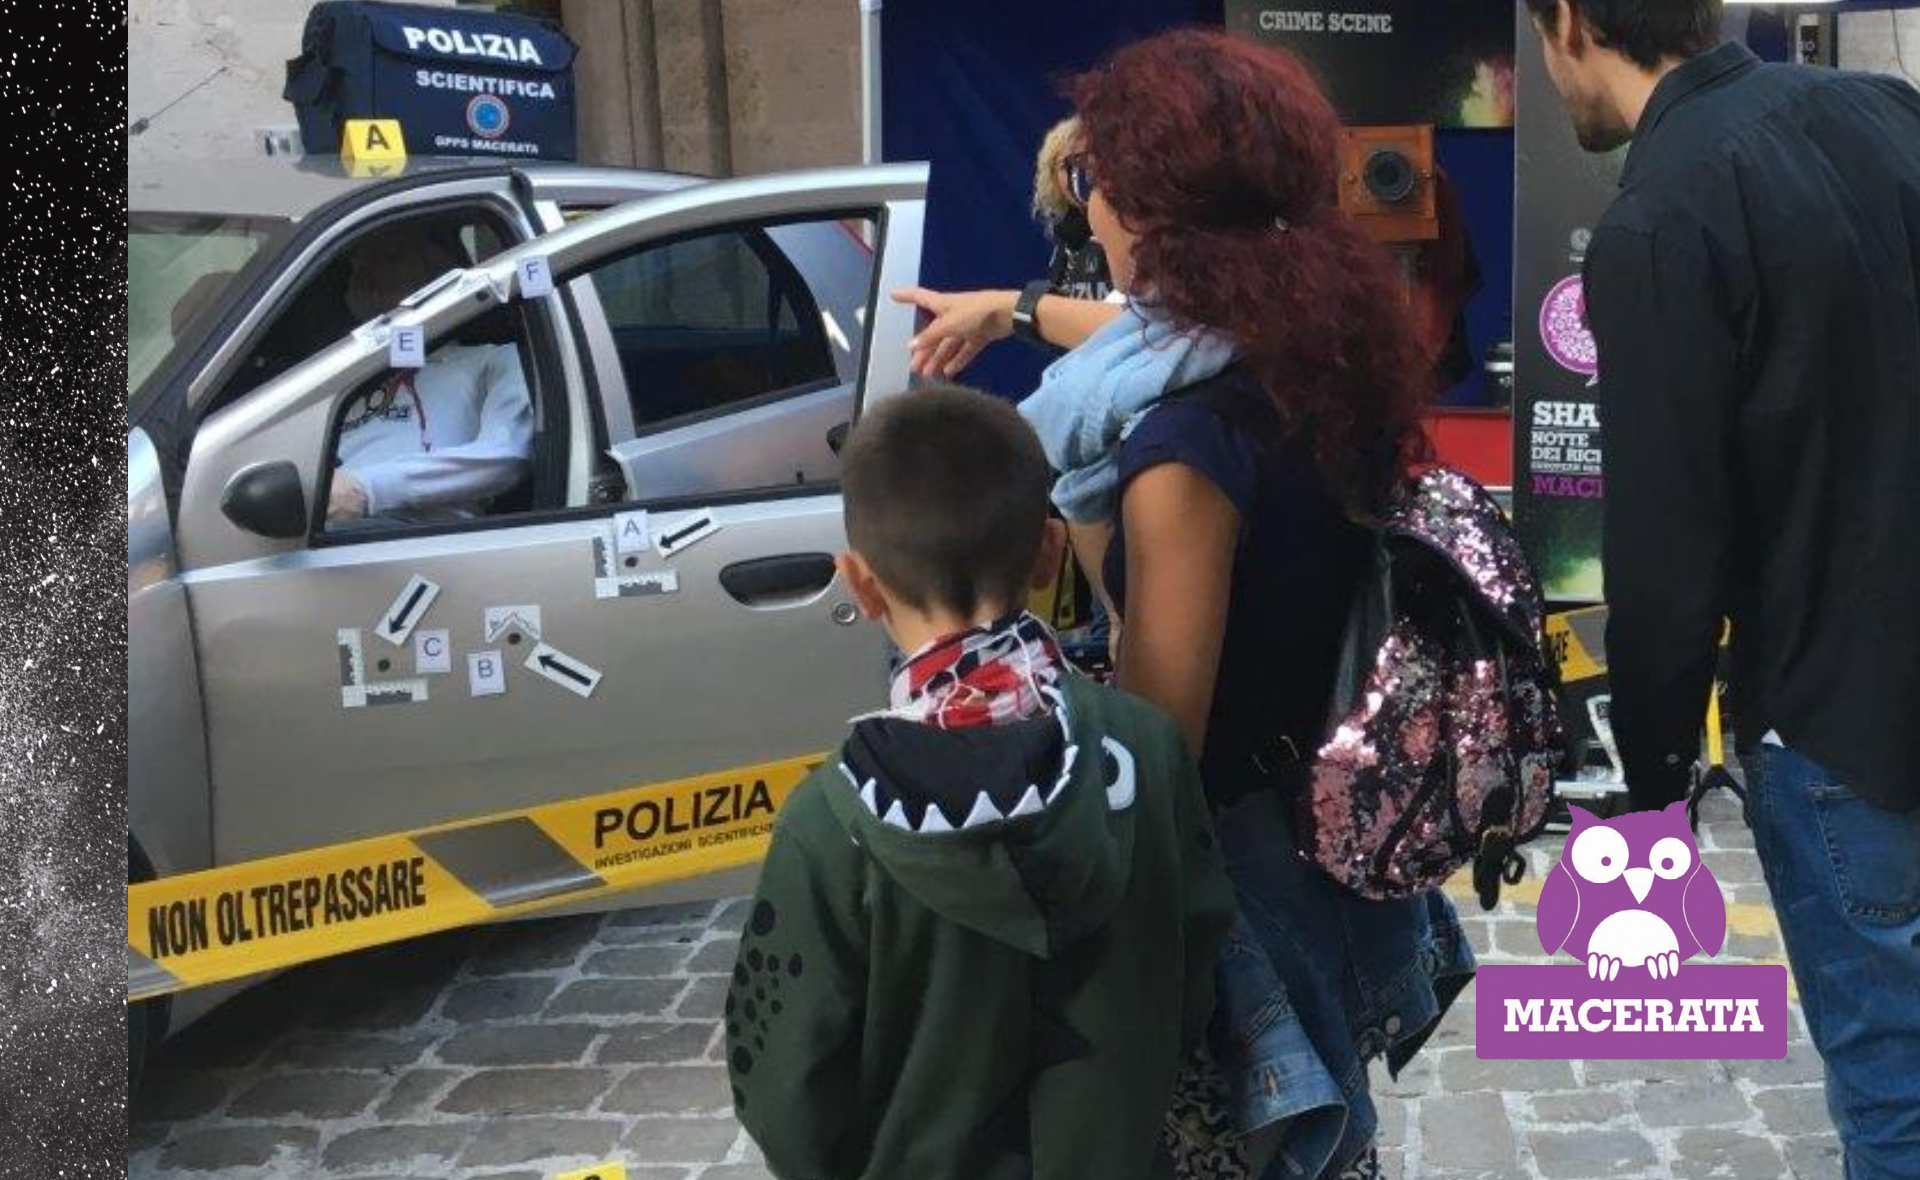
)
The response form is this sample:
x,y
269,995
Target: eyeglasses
x,y
1079,176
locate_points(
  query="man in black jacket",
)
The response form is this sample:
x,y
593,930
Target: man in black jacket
x,y
1755,294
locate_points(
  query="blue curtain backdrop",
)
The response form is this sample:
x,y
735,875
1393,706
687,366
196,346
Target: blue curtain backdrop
x,y
973,87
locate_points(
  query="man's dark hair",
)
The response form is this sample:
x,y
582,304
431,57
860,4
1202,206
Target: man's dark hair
x,y
1646,31
946,498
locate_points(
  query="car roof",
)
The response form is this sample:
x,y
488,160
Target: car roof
x,y
292,188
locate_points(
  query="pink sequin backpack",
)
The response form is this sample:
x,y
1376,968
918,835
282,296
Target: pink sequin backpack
x,y
1444,734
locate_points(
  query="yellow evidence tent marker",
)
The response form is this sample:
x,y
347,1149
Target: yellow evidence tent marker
x,y
612,1170
372,147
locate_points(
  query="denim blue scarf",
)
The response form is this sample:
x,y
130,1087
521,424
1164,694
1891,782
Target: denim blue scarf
x,y
1090,399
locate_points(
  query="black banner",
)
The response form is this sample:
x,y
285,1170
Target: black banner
x,y
1561,191
1397,61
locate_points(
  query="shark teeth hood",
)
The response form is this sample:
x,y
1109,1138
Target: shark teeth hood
x,y
1022,831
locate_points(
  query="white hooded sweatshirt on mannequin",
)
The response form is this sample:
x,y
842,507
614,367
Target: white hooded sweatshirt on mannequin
x,y
436,444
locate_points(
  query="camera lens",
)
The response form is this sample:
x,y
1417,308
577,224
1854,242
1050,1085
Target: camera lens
x,y
1389,176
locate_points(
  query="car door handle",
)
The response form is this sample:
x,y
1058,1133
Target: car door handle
x,y
837,437
767,579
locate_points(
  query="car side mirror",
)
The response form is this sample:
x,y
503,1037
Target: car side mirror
x,y
268,499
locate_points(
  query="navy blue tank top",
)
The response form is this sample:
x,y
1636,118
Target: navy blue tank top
x,y
1295,571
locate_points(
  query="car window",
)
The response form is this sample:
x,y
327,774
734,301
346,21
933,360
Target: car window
x,y
836,260
715,284
467,436
740,353
332,299
707,322
178,268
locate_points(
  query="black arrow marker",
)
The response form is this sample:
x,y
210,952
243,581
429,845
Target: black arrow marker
x,y
396,622
565,669
675,537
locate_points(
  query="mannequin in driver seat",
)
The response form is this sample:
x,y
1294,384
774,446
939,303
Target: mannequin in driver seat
x,y
434,444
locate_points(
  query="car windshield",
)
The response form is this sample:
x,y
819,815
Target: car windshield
x,y
178,269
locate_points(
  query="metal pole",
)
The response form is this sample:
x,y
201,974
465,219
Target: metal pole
x,y
719,105
642,68
870,152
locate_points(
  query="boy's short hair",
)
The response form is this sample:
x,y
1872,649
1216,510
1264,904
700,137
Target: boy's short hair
x,y
1647,32
946,498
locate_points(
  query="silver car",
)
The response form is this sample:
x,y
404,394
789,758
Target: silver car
x,y
703,348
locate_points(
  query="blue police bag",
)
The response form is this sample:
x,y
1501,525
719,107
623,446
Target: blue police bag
x,y
462,81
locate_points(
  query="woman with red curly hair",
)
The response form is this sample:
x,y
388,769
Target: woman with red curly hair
x,y
1259,396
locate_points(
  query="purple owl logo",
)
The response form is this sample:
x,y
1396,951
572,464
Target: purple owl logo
x,y
1631,892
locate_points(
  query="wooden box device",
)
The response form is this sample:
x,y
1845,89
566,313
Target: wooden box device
x,y
1386,182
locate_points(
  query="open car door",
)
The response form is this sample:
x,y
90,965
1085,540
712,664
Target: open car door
x,y
607,624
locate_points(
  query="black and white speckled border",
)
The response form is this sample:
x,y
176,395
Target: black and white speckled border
x,y
62,579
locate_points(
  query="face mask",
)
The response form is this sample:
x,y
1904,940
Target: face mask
x,y
990,675
1071,229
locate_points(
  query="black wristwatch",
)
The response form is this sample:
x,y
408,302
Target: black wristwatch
x,y
1026,325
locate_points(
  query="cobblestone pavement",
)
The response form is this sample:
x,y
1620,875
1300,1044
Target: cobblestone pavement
x,y
527,1049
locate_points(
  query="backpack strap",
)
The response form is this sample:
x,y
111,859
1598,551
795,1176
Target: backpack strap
x,y
1287,760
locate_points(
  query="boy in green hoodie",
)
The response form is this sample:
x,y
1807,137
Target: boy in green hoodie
x,y
984,936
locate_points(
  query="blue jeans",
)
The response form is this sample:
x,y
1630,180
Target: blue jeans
x,y
1314,983
1845,878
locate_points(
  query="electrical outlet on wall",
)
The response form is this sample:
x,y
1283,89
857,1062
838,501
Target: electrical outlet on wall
x,y
1811,38
278,141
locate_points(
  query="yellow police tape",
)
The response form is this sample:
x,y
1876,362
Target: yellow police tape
x,y
222,924
1576,640
226,923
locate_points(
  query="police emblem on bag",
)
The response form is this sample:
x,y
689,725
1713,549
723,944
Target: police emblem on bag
x,y
487,116
1445,734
